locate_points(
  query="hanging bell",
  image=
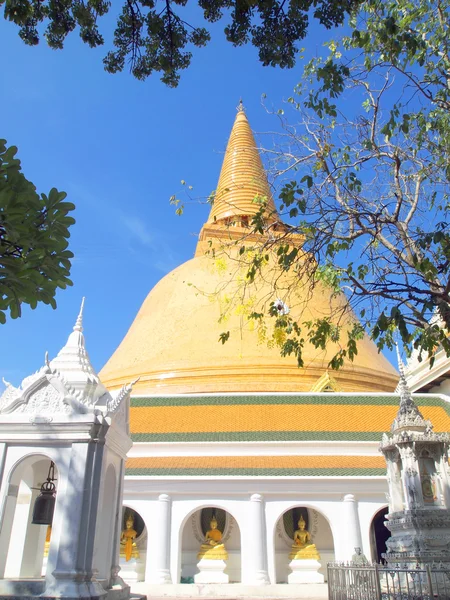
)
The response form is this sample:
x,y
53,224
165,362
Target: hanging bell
x,y
44,505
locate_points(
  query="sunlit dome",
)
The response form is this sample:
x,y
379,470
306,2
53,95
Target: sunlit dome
x,y
173,344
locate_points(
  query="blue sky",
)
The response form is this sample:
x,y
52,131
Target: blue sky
x,y
120,148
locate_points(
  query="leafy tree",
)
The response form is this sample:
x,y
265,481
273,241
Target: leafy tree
x,y
368,189
153,35
34,229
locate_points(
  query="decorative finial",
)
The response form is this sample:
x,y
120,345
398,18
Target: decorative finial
x,y
403,387
401,368
240,107
408,413
79,322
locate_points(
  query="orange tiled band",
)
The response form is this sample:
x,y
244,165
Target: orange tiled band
x,y
273,417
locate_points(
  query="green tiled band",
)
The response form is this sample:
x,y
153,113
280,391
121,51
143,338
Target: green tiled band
x,y
327,399
259,436
326,472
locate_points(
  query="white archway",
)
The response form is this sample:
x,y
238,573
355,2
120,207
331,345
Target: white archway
x,y
133,570
23,542
379,533
320,528
191,535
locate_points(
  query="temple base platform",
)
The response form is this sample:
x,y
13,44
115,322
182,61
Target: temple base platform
x,y
231,591
35,589
305,571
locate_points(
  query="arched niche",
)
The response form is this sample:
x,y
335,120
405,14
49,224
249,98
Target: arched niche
x,y
379,534
25,545
133,570
193,535
320,530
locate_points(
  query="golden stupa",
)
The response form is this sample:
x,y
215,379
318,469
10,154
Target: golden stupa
x,y
173,344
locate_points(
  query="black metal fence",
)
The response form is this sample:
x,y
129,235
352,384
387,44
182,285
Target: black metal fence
x,y
349,581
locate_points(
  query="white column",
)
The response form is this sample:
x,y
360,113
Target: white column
x,y
18,533
33,551
7,518
116,580
254,554
2,461
158,548
73,529
351,538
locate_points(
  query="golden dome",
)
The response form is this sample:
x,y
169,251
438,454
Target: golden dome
x,y
173,344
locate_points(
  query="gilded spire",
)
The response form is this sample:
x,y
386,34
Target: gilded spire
x,y
242,180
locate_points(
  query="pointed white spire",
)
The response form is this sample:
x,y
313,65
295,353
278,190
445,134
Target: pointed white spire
x,y
71,374
79,322
408,416
403,387
73,363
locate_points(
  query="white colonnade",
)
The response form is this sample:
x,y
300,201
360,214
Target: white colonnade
x,y
257,517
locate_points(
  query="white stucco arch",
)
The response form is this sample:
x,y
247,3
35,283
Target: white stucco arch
x,y
27,460
373,549
134,570
143,536
202,505
278,557
303,504
24,475
234,564
375,511
367,512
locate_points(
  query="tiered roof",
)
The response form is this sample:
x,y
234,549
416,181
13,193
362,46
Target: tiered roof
x,y
270,418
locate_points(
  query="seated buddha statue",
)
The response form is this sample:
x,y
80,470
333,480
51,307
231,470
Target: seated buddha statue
x,y
128,547
302,548
213,548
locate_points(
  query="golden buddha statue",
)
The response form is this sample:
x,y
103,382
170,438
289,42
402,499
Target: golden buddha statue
x,y
213,548
302,549
128,547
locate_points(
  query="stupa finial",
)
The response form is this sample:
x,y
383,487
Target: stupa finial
x,y
242,187
79,322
